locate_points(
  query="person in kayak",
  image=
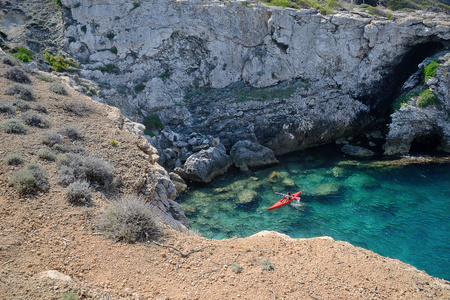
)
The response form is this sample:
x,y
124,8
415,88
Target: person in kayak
x,y
288,197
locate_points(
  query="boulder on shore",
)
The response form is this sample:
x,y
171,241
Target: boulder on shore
x,y
357,151
249,154
203,166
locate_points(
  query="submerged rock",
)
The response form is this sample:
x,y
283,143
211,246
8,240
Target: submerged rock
x,y
249,154
246,196
326,189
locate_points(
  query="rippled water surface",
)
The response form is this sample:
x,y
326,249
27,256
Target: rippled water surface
x,y
401,212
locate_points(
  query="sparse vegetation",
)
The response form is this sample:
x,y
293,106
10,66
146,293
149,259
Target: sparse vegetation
x,y
66,176
7,109
84,28
14,159
46,154
112,50
164,75
17,75
109,68
430,70
129,220
78,193
135,5
139,87
58,88
113,143
236,268
77,108
110,35
426,98
30,180
13,126
69,296
36,120
20,90
266,265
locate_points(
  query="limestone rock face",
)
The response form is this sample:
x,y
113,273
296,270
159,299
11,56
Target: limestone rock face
x,y
248,154
332,71
178,182
203,166
357,151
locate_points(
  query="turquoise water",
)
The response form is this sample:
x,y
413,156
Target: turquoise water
x,y
400,212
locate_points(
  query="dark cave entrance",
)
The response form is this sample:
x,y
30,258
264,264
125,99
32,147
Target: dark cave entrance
x,y
425,143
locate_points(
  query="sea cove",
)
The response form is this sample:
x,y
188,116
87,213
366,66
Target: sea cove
x,y
395,209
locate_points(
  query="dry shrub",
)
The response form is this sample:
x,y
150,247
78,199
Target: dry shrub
x,y
58,88
52,138
14,159
71,132
78,193
7,109
36,120
46,154
20,105
129,220
17,75
30,180
20,90
77,108
13,126
40,108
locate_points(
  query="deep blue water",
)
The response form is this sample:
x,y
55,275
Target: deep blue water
x,y
400,212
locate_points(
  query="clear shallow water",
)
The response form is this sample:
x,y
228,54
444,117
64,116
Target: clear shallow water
x,y
399,212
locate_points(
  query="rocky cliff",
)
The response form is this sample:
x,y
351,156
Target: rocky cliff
x,y
283,78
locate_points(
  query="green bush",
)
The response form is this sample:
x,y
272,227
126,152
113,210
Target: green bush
x,y
59,63
113,143
84,28
129,220
22,91
109,68
22,57
426,98
395,4
13,126
58,88
152,122
69,296
430,70
389,15
78,193
14,159
36,120
110,35
30,180
46,154
17,75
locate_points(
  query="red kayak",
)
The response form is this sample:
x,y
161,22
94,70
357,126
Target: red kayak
x,y
284,201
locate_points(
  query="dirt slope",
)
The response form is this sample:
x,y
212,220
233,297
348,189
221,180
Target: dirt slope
x,y
44,232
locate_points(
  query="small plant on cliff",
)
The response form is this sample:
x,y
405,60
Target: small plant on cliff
x,y
139,87
129,220
135,5
59,63
113,143
430,70
403,100
153,122
23,54
426,98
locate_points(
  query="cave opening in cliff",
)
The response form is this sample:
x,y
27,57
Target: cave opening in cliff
x,y
406,66
425,143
